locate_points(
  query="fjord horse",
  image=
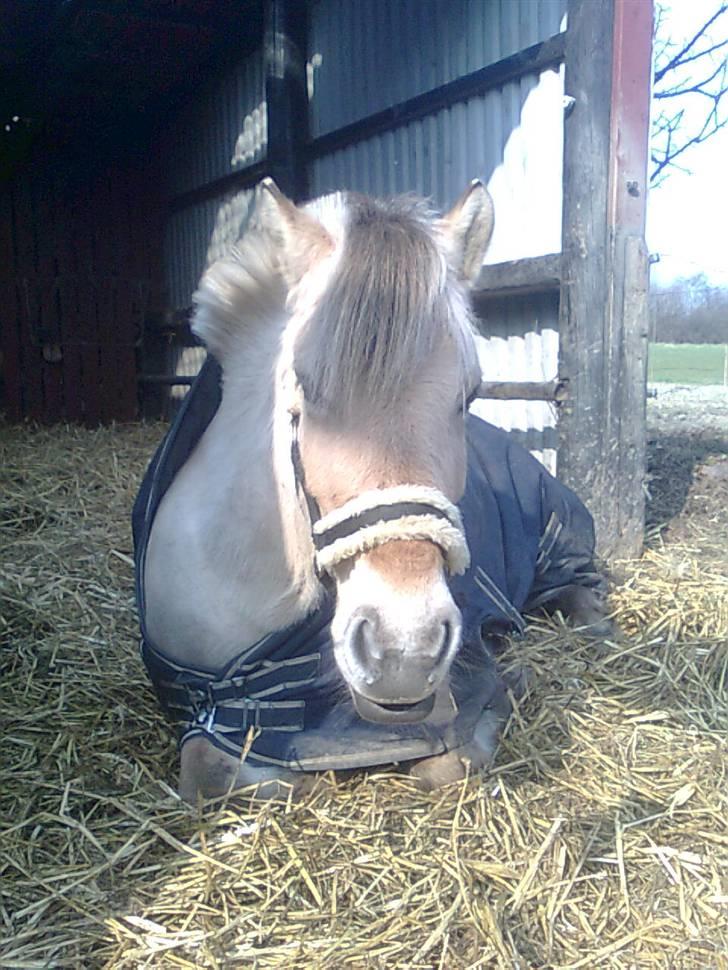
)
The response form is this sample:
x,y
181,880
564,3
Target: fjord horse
x,y
297,574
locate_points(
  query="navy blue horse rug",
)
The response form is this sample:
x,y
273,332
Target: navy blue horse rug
x,y
530,538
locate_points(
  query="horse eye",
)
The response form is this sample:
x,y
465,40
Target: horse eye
x,y
305,384
311,395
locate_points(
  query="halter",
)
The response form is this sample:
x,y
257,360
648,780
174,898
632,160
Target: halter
x,y
380,515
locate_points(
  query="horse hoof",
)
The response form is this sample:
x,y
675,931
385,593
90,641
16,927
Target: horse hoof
x,y
440,770
206,773
445,769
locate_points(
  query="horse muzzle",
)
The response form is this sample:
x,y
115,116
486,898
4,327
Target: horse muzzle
x,y
394,673
382,713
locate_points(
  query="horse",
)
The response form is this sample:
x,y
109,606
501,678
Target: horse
x,y
327,542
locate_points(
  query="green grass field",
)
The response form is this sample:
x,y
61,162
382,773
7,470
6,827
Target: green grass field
x,y
687,363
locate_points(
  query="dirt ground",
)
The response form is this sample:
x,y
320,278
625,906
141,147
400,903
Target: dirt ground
x,y
687,431
680,408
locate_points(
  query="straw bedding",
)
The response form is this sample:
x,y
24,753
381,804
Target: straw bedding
x,y
599,837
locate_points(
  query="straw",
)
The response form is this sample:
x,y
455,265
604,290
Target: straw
x,y
598,837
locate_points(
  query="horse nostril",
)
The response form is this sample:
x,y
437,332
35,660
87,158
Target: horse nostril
x,y
449,638
363,649
445,641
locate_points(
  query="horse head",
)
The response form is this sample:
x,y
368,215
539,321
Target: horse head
x,y
377,367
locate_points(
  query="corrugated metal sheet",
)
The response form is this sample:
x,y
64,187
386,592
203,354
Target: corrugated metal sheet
x,y
512,137
365,55
371,54
222,130
520,341
198,235
485,136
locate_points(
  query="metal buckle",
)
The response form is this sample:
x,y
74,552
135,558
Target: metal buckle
x,y
205,717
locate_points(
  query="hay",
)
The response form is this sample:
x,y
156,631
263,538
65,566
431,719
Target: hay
x,y
598,839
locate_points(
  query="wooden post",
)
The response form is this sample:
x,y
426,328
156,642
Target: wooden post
x,y
285,95
604,307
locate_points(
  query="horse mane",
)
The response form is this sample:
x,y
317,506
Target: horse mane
x,y
388,303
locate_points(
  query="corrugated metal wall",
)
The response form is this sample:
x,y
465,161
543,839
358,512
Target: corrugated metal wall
x,y
512,137
222,131
367,55
375,53
522,343
196,236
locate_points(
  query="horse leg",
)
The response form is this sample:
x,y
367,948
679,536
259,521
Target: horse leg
x,y
586,609
444,769
206,772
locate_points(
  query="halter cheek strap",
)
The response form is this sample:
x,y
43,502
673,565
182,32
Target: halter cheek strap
x,y
381,515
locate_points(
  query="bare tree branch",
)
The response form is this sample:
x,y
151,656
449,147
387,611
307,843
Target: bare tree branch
x,y
678,59
697,67
700,88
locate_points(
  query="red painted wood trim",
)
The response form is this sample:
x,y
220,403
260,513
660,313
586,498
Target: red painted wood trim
x,y
630,114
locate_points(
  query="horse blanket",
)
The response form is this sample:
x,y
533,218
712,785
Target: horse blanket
x,y
283,700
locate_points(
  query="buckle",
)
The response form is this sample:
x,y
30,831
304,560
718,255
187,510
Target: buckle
x,y
205,718
201,701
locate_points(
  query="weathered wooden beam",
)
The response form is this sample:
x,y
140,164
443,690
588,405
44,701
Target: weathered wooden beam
x,y
167,379
536,274
554,391
602,306
284,46
243,178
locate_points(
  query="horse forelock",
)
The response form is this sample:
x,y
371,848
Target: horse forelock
x,y
390,300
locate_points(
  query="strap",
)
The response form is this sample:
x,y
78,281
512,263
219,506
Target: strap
x,y
312,506
373,516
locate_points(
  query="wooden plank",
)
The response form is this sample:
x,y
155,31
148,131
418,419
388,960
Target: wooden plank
x,y
634,267
126,368
68,309
588,443
147,233
119,337
26,296
630,122
555,391
628,180
72,354
48,327
104,215
82,215
285,95
128,294
10,368
602,295
536,274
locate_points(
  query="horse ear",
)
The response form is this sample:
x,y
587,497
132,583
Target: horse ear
x,y
467,229
303,240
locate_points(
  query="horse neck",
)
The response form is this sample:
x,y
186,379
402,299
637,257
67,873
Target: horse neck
x,y
267,541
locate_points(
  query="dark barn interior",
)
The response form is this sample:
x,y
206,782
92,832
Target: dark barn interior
x,y
133,133
85,87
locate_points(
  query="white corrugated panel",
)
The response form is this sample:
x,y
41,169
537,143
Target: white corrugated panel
x,y
530,356
435,156
198,235
512,137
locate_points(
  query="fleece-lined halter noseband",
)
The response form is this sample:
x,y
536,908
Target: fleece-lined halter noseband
x,y
378,516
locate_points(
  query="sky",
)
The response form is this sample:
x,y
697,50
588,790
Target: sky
x,y
687,216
